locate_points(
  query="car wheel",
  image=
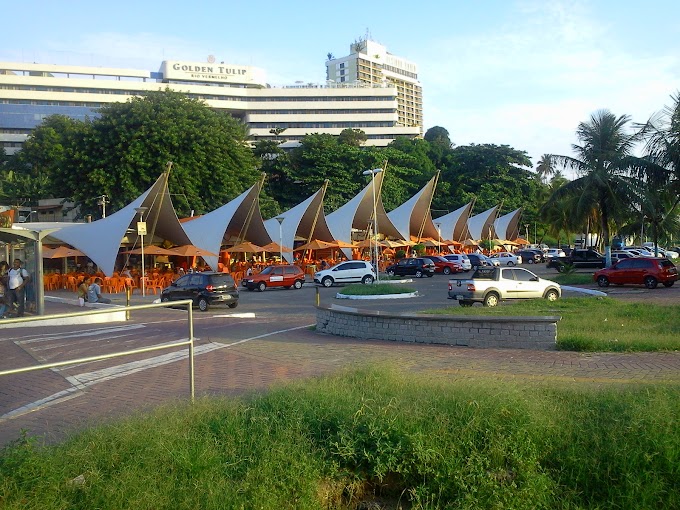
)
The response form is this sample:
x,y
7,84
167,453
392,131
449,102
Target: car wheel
x,y
603,281
390,272
651,282
203,304
552,295
165,299
366,280
531,261
511,263
668,284
297,284
261,286
233,305
465,303
419,273
327,281
446,270
491,299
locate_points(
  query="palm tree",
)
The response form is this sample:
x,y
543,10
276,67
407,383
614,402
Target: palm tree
x,y
545,167
603,162
661,173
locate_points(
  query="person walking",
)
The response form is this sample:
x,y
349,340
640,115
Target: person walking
x,y
16,287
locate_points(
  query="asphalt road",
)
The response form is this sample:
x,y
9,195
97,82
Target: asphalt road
x,y
266,339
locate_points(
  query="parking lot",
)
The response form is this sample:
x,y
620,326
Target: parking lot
x,y
268,339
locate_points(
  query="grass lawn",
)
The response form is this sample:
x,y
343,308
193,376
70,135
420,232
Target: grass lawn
x,y
376,289
370,438
572,278
596,324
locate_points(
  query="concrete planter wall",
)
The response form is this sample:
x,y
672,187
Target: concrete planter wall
x,y
538,333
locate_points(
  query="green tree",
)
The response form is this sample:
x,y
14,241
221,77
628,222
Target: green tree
x,y
440,145
603,161
353,137
492,174
545,167
123,151
661,173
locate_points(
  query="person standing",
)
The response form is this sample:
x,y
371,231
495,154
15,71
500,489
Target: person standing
x,y
4,266
16,287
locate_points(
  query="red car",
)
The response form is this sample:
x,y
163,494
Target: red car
x,y
286,276
442,265
647,271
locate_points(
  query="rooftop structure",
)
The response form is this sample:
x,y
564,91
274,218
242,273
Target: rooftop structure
x,y
369,62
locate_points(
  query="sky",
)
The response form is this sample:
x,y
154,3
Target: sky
x,y
522,73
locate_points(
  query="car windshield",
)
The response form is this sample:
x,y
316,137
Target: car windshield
x,y
267,270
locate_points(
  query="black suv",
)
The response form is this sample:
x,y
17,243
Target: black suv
x,y
531,256
205,289
418,267
578,258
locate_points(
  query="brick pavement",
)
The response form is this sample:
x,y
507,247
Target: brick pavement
x,y
260,363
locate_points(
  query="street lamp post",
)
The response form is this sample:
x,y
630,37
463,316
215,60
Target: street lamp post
x,y
141,230
103,200
526,231
372,173
439,237
280,220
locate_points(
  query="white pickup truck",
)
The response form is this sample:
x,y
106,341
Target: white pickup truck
x,y
489,285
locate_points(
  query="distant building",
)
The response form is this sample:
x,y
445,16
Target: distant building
x,y
370,63
29,92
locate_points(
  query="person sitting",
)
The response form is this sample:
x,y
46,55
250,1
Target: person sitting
x,y
82,290
94,293
324,264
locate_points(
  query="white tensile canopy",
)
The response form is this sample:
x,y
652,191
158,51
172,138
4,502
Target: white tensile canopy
x,y
100,240
481,225
507,226
358,214
234,222
454,224
304,220
413,216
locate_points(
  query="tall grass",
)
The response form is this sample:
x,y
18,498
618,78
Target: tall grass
x,y
596,324
371,437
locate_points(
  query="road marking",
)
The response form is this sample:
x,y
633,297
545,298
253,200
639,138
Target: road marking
x,y
80,334
87,379
246,315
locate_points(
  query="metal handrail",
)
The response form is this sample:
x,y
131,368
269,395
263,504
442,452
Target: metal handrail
x,y
189,342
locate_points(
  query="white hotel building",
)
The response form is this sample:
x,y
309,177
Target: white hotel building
x,y
30,92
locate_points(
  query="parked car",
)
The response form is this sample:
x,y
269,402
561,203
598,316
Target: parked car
x,y
554,252
351,271
205,289
460,258
442,265
275,276
416,266
531,256
506,258
578,258
638,252
478,260
489,285
620,255
647,271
